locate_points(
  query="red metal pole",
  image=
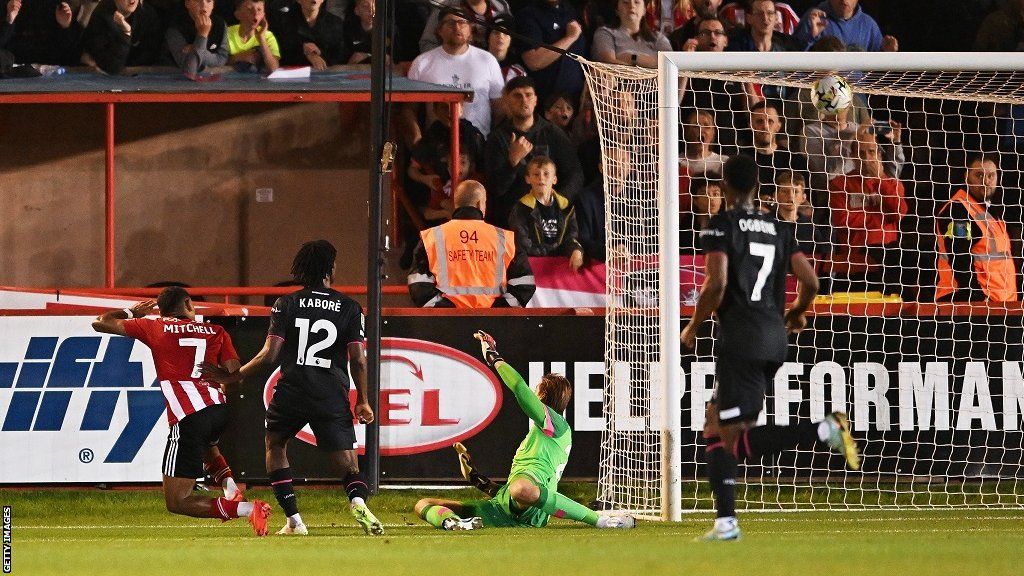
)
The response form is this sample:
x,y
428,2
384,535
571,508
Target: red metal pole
x,y
109,199
454,166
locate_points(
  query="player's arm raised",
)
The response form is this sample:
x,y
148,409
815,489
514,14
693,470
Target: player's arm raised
x,y
112,322
527,399
716,270
806,290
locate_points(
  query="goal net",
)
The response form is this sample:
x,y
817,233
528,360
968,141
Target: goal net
x,y
935,391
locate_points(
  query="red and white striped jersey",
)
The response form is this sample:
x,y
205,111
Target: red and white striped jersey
x,y
178,346
786,22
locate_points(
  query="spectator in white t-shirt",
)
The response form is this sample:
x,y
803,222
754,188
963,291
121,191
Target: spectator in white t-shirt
x,y
456,63
699,157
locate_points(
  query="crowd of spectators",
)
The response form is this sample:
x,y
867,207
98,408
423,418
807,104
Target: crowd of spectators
x,y
529,133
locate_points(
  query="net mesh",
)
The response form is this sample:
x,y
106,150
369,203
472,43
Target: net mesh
x,y
935,392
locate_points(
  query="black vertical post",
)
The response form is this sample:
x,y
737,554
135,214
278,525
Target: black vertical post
x,y
375,248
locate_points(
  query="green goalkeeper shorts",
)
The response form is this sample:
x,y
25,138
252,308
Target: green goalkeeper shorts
x,y
501,512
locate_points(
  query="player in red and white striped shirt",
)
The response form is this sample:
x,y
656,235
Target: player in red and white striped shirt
x,y
196,409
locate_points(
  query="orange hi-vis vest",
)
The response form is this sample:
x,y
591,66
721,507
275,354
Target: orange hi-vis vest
x,y
468,259
993,264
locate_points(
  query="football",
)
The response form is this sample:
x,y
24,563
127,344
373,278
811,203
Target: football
x,y
831,94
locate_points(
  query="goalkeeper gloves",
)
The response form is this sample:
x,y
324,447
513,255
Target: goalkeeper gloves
x,y
488,347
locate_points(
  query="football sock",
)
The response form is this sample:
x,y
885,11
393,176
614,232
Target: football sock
x,y
436,515
225,509
220,472
771,439
356,488
244,509
561,507
722,475
281,482
295,520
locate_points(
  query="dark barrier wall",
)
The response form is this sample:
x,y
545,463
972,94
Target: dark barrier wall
x,y
932,396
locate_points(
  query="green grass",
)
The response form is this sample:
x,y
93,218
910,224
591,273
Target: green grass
x,y
85,532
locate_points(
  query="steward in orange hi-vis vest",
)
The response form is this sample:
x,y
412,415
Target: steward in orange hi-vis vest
x,y
975,262
468,263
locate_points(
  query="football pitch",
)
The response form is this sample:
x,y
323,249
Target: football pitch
x,y
85,532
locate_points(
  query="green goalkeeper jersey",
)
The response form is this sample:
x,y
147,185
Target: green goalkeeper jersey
x,y
544,452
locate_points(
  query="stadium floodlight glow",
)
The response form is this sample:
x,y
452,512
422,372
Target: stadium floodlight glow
x,y
940,414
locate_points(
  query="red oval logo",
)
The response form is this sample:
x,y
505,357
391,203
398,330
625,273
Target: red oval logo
x,y
431,397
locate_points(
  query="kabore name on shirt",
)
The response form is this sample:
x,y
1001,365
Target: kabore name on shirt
x,y
333,305
193,328
470,255
751,225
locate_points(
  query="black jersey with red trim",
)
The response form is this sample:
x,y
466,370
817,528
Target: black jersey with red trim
x,y
759,248
316,325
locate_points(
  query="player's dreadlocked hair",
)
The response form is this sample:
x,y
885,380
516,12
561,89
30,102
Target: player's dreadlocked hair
x,y
314,262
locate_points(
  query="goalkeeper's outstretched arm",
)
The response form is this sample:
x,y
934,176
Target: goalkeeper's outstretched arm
x,y
534,408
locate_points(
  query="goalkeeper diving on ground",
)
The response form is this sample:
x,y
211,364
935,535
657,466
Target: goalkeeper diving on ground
x,y
530,497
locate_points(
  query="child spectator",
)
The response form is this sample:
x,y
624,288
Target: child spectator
x,y
544,221
122,33
558,110
198,38
791,206
250,44
706,195
359,31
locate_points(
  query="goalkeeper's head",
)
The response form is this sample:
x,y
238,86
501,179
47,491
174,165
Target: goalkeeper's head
x,y
555,391
739,178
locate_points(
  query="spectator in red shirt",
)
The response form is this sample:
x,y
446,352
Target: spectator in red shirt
x,y
867,207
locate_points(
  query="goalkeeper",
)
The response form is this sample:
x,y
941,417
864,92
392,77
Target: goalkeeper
x,y
530,497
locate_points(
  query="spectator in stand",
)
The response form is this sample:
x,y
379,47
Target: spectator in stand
x,y
252,47
628,40
499,44
591,206
198,38
739,15
703,10
310,36
499,272
559,111
845,20
458,63
762,34
410,19
699,156
729,100
668,15
431,158
122,33
791,205
1002,30
867,207
706,198
552,22
544,221
521,136
769,149
829,144
975,259
479,13
358,31
41,32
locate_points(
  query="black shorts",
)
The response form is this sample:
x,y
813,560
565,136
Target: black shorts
x,y
285,418
742,384
189,439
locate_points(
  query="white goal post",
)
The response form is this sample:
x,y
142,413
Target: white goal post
x,y
958,404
